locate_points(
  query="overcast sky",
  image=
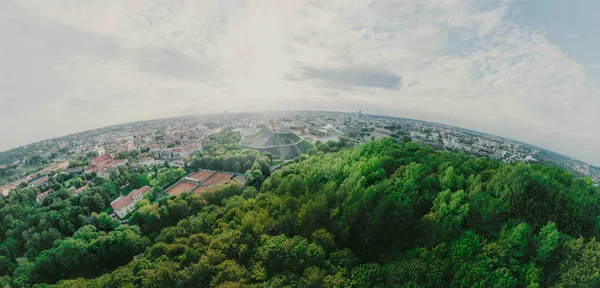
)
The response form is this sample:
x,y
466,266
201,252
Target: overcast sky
x,y
526,70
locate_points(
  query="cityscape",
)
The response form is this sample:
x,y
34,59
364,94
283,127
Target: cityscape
x,y
317,144
283,134
188,190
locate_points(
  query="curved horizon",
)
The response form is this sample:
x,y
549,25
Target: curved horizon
x,y
302,111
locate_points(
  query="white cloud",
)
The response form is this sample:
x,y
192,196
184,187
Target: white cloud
x,y
460,62
572,35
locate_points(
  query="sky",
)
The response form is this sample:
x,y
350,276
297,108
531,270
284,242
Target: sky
x,y
525,70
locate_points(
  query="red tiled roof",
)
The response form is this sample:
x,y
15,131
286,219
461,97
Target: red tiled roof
x,y
79,190
127,199
124,201
96,161
143,190
43,194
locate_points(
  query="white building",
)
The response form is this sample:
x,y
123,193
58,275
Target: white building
x,y
123,205
175,153
147,161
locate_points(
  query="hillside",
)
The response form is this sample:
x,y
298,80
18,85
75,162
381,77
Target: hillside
x,y
383,214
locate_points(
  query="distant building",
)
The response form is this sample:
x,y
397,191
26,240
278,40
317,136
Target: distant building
x,y
116,163
4,191
37,182
79,190
102,160
529,158
125,204
175,153
76,170
146,161
100,150
40,197
382,131
164,153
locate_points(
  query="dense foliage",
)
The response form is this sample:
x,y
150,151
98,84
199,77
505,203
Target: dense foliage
x,y
68,236
384,214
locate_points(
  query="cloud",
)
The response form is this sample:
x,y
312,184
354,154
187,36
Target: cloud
x,y
572,35
354,77
413,83
461,62
171,63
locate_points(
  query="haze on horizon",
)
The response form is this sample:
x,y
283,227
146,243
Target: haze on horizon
x,y
524,70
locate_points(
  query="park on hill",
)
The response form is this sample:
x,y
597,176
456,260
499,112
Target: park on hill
x,y
387,213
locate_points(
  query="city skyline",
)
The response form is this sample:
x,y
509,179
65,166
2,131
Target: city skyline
x,y
278,114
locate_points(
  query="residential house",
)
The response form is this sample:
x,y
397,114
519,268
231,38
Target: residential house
x,y
164,153
79,190
125,204
175,153
40,197
6,188
76,170
102,160
38,182
116,164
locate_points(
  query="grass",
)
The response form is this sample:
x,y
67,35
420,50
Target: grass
x,y
305,145
293,137
250,140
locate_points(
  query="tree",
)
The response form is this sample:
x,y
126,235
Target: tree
x,y
254,176
367,275
138,180
91,155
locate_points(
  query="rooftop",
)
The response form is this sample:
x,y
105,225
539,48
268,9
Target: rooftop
x,y
120,202
43,194
80,190
101,159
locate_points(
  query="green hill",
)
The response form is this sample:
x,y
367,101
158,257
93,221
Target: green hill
x,y
278,144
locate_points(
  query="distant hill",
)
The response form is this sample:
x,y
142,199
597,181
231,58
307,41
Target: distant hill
x,y
286,144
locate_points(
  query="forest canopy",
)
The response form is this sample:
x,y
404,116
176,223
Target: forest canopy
x,y
383,214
